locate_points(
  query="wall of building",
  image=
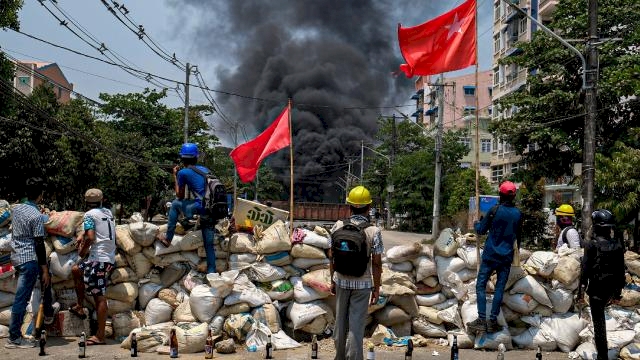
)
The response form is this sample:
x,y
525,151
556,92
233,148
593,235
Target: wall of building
x,y
30,75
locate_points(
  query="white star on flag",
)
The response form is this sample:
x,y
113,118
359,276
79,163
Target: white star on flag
x,y
455,27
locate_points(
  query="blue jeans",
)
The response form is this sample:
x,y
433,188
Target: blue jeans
x,y
27,277
487,267
208,235
187,207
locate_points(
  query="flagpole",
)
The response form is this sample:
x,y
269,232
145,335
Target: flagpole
x,y
290,171
477,147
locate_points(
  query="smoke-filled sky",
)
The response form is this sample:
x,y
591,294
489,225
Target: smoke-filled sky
x,y
334,59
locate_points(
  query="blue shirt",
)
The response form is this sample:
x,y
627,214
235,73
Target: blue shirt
x,y
27,224
196,183
504,231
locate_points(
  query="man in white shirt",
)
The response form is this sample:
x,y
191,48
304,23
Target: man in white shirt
x,y
568,233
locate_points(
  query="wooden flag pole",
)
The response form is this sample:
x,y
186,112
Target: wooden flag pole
x,y
290,172
477,148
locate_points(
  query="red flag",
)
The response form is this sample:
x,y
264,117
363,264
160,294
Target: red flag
x,y
443,44
249,155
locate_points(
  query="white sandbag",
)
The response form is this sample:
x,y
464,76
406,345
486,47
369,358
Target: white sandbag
x,y
567,270
630,298
430,314
233,309
587,351
423,327
148,338
278,259
407,303
522,303
245,291
282,341
246,258
515,274
268,315
147,292
238,325
263,272
174,247
401,253
191,339
193,279
542,263
529,285
6,299
425,267
5,316
446,244
466,275
450,264
125,242
123,274
123,323
5,242
305,263
465,341
182,313
307,252
205,302
60,265
274,239
561,299
619,338
223,282
445,304
304,294
184,256
469,312
430,300
281,290
302,314
491,341
631,352
468,255
451,315
314,239
63,245
391,315
192,240
140,264
143,233
532,338
625,319
242,243
405,266
565,329
157,311
319,280
125,292
396,283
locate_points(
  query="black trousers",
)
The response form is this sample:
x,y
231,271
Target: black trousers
x,y
599,327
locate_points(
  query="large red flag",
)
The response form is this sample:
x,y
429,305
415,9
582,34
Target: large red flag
x,y
443,44
249,155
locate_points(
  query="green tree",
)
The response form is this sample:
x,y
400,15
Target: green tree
x,y
457,188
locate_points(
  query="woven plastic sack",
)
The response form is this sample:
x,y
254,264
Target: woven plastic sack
x,y
63,222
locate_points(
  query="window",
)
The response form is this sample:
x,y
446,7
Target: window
x,y
496,76
523,25
515,167
490,91
495,144
496,11
485,165
497,172
23,80
485,145
496,43
469,90
490,110
465,141
469,110
465,165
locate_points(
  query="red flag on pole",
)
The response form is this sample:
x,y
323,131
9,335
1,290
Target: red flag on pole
x,y
443,44
249,155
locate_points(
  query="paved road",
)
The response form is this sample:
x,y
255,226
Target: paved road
x,y
67,348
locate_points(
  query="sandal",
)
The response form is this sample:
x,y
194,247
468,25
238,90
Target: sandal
x,y
95,341
79,313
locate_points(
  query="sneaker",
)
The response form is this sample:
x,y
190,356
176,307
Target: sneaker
x,y
21,343
477,325
493,326
48,320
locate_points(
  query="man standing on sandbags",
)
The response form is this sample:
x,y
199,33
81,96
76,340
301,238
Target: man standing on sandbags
x,y
92,275
28,256
355,250
603,275
504,223
568,234
193,177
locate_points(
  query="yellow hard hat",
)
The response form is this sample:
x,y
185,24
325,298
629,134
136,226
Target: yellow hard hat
x,y
565,210
359,196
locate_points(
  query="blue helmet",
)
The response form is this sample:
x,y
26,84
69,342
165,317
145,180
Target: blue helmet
x,y
189,150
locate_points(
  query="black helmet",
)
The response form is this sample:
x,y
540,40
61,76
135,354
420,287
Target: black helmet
x,y
603,218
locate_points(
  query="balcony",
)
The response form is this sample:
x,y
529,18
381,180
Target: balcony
x,y
546,8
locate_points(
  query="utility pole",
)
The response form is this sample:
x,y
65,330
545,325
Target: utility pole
x,y
186,105
390,188
438,174
361,162
591,107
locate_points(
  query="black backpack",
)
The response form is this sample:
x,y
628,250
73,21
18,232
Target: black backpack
x,y
349,249
214,201
607,270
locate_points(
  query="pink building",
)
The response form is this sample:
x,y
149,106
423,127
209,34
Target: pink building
x,y
31,74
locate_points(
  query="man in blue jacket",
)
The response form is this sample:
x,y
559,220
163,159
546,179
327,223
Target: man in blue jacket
x,y
504,223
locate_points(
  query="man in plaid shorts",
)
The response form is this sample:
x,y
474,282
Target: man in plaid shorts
x,y
91,276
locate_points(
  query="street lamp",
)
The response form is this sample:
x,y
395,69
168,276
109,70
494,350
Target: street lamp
x,y
389,186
